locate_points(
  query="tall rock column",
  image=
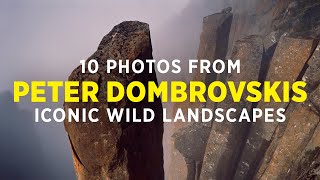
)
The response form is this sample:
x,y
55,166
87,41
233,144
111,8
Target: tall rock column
x,y
214,41
226,139
307,165
106,150
191,140
302,122
287,64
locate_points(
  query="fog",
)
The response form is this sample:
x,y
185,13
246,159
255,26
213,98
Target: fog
x,y
47,39
28,151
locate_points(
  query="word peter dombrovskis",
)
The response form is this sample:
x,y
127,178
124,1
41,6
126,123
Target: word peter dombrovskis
x,y
194,91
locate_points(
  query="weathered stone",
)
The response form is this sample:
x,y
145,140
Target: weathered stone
x,y
301,125
300,19
307,165
106,150
271,39
288,61
226,138
302,122
214,40
278,134
191,140
311,76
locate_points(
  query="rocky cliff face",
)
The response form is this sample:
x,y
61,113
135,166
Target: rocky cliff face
x,y
106,150
290,54
275,41
223,145
190,140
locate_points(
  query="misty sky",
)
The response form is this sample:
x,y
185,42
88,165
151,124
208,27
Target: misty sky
x,y
44,39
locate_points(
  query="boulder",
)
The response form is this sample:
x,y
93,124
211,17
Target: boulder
x,y
106,150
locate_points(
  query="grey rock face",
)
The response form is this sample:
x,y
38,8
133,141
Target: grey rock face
x,y
191,140
300,19
106,150
214,40
227,10
290,54
288,150
302,121
226,138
